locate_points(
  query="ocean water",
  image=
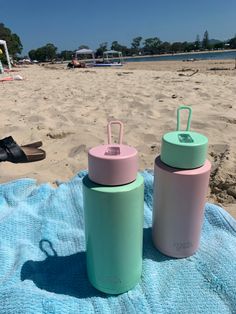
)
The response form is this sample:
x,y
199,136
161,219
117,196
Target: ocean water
x,y
198,56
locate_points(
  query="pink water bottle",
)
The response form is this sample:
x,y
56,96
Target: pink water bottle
x,y
181,178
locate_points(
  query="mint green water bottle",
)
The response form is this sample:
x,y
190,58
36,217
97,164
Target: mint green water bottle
x,y
113,218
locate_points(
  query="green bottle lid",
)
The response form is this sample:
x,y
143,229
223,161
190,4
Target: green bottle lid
x,y
184,149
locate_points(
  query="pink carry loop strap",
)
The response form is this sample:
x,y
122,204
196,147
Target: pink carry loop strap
x,y
120,133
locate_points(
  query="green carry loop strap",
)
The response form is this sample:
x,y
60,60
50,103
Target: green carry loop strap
x,y
189,117
184,149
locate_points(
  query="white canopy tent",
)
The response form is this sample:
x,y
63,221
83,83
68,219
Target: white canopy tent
x,y
85,52
4,44
113,54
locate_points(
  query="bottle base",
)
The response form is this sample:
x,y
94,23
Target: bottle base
x,y
119,290
175,254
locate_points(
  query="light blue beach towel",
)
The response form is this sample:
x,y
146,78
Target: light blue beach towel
x,y
43,269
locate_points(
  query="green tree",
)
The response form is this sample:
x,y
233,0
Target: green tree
x,y
152,45
101,49
220,45
197,43
40,54
13,40
165,47
45,53
65,54
32,54
177,47
232,42
116,46
188,46
83,47
135,45
50,52
205,41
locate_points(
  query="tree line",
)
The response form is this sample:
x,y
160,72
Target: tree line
x,y
14,44
138,46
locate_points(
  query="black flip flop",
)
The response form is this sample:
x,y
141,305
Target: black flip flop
x,y
12,152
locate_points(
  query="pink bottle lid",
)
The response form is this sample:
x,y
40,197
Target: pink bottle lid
x,y
113,164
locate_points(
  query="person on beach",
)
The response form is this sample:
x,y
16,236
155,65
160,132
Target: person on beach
x,y
76,64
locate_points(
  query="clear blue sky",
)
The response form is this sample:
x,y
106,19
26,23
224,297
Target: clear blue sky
x,y
69,24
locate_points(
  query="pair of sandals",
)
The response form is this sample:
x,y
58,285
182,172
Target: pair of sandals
x,y
12,152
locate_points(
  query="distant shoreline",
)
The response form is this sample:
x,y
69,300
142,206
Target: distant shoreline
x,y
168,55
179,53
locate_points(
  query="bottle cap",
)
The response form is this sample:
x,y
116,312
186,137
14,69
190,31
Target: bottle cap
x,y
184,149
113,164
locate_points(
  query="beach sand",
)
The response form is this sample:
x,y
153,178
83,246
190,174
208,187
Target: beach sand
x,y
69,109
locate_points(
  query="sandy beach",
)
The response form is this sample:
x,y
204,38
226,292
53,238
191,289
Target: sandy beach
x,y
69,109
